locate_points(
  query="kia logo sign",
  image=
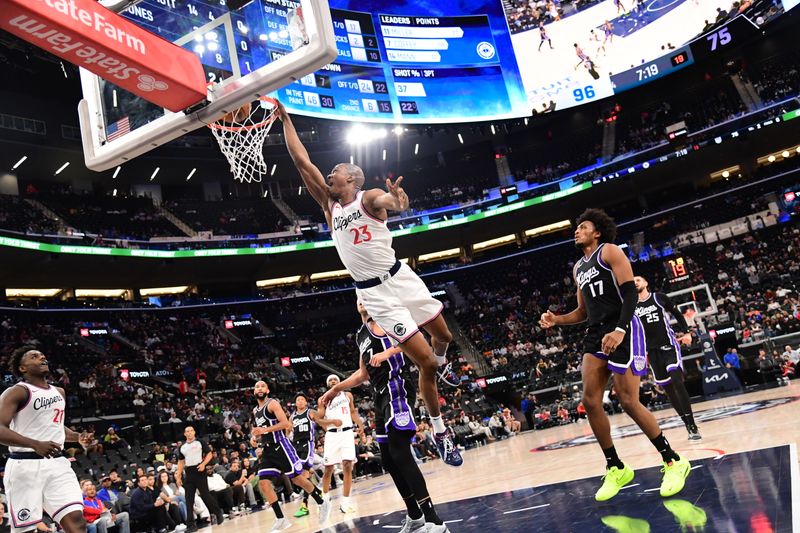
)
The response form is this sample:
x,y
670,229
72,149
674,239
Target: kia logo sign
x,y
285,361
481,383
717,377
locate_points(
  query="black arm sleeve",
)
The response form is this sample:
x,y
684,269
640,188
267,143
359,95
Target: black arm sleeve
x,y
629,300
669,305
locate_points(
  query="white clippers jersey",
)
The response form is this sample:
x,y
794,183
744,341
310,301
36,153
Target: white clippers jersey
x,y
363,242
339,409
42,418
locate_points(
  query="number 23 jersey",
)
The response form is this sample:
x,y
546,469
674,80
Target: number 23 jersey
x,y
363,242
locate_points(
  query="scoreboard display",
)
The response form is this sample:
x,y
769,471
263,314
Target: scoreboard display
x,y
676,269
444,62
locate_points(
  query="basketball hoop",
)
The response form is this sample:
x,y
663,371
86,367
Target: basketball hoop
x,y
241,135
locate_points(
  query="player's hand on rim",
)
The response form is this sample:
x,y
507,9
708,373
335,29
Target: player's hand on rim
x,y
611,341
280,112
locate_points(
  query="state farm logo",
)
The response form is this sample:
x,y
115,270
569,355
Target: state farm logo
x,y
285,361
481,383
148,83
124,374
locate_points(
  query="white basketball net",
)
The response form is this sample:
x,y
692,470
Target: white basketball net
x,y
242,141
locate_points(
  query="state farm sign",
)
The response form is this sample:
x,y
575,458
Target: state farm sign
x,y
90,36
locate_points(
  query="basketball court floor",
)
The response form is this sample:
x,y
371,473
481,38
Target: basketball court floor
x,y
745,478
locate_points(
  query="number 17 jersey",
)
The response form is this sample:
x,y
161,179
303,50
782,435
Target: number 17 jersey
x,y
599,289
363,242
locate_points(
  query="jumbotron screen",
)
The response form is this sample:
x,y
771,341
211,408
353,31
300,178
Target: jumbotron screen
x,y
427,61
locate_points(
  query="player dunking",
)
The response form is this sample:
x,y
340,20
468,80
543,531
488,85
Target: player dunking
x,y
394,295
386,369
613,345
38,477
544,37
663,350
278,456
340,446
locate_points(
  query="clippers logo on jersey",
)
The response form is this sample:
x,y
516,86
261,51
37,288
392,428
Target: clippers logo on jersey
x,y
587,276
352,228
45,403
23,515
340,222
399,330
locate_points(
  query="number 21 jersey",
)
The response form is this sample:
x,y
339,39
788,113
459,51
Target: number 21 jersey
x,y
363,242
41,418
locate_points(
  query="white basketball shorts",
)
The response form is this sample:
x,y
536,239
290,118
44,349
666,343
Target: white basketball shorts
x,y
33,485
401,305
339,446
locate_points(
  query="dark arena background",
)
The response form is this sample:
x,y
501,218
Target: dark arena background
x,y
161,289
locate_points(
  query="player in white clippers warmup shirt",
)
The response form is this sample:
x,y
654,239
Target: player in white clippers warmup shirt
x,y
37,476
340,446
395,297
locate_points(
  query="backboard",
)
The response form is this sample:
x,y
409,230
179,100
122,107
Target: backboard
x,y
246,53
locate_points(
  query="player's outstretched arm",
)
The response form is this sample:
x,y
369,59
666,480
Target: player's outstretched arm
x,y
394,199
312,177
576,316
10,402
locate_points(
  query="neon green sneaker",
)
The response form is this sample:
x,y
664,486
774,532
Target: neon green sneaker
x,y
613,481
675,474
689,516
626,524
302,511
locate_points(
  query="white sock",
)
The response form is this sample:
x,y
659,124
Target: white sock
x,y
345,501
438,424
440,359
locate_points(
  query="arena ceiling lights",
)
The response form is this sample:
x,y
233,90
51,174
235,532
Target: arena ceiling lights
x,y
161,291
438,256
493,243
274,282
100,293
361,134
549,228
330,274
32,293
778,155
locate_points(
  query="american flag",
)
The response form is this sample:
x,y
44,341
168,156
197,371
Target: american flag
x,y
118,129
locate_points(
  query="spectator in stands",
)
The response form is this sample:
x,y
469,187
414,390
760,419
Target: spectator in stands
x,y
239,482
148,511
170,492
497,426
731,361
220,490
98,517
113,441
767,366
115,500
791,355
481,431
513,426
369,456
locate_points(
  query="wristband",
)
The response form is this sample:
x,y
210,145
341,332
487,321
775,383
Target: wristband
x,y
621,330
